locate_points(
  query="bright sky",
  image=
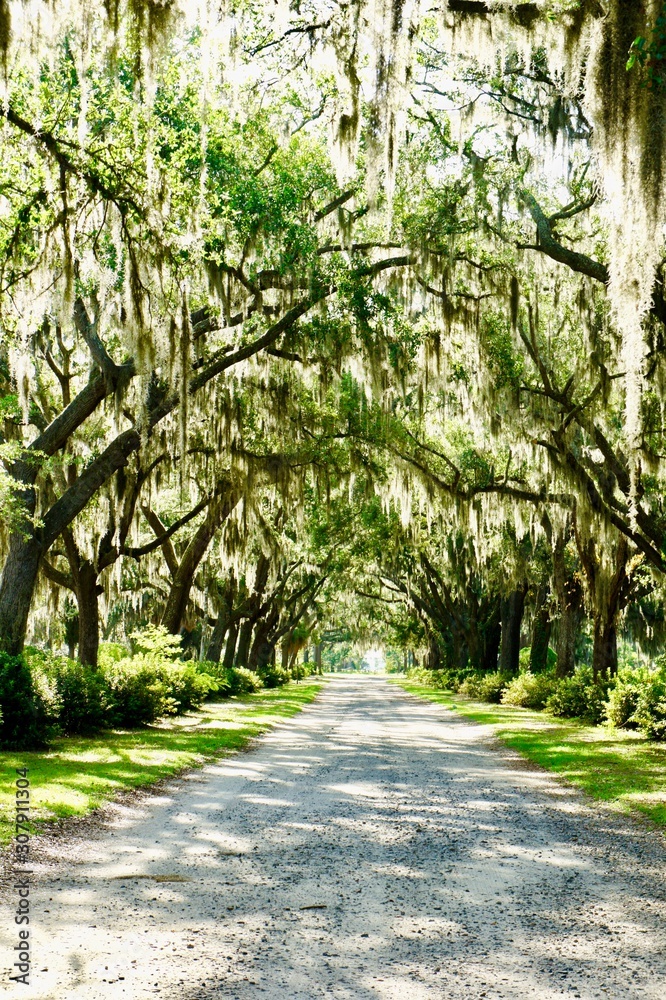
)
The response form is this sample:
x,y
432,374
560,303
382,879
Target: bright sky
x,y
374,661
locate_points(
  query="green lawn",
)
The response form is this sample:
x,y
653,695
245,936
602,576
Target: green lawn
x,y
77,774
615,765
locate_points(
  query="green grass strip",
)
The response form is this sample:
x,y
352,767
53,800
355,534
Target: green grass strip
x,y
78,774
618,766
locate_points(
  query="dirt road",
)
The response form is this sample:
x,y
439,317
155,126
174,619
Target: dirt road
x,y
373,846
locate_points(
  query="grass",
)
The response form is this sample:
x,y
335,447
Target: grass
x,y
77,774
617,766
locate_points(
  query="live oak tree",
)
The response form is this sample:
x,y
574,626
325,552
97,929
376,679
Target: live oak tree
x,y
257,254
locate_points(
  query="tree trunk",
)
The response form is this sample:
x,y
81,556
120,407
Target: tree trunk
x,y
608,598
179,595
604,651
512,617
264,655
492,635
568,628
570,606
224,620
214,650
230,648
244,640
17,586
87,598
317,658
541,627
265,637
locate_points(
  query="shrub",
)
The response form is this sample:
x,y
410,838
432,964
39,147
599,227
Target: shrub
x,y
186,686
529,690
154,681
485,687
83,696
622,703
216,672
137,695
76,696
579,696
300,670
111,652
443,679
25,723
650,712
273,676
156,642
243,681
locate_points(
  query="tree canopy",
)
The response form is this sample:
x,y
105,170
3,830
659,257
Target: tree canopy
x,y
323,321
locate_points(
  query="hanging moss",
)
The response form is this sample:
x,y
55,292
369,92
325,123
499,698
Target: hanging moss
x,y
5,32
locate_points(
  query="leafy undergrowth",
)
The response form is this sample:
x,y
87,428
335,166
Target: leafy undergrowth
x,y
620,767
77,774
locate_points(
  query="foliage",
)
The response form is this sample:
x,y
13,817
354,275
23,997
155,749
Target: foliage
x,y
639,701
80,773
393,661
529,690
111,652
442,679
485,686
612,765
524,658
230,681
339,656
273,676
137,694
579,697
23,718
83,696
649,53
622,701
243,681
156,643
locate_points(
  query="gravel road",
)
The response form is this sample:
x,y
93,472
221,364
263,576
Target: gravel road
x,y
374,846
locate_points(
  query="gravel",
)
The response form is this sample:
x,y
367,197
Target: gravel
x,y
375,845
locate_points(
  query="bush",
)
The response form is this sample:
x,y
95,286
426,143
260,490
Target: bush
x,y
578,697
529,690
216,672
83,696
137,695
444,679
638,701
273,676
485,687
622,703
76,696
186,686
25,723
650,712
156,642
230,681
300,671
110,652
243,681
154,681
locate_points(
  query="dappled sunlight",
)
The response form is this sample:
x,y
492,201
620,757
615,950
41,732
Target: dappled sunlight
x,y
90,769
371,857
